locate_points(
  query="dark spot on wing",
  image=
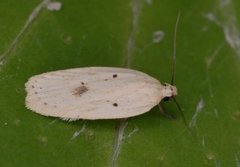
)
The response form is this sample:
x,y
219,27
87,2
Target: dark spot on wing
x,y
105,79
35,93
82,83
45,103
79,90
115,104
33,86
114,75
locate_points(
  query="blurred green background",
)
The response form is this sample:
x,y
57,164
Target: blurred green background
x,y
129,33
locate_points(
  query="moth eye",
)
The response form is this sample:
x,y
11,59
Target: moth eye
x,y
114,75
166,98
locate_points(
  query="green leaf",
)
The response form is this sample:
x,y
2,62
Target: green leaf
x,y
135,34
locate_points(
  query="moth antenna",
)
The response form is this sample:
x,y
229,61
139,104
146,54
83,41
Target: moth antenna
x,y
174,49
174,69
181,112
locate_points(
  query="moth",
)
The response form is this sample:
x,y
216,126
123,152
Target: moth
x,y
97,92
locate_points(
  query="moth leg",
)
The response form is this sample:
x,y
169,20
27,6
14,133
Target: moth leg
x,y
165,113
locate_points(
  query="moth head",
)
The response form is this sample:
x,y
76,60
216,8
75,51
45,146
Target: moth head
x,y
169,91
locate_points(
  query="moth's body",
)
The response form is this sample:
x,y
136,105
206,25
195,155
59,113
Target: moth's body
x,y
95,93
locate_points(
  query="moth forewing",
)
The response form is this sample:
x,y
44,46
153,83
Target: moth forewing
x,y
93,93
